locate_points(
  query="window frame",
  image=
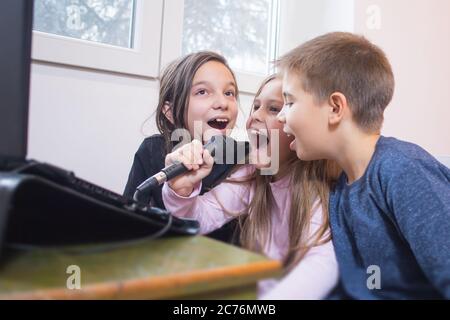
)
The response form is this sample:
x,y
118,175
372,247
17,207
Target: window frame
x,y
141,60
172,34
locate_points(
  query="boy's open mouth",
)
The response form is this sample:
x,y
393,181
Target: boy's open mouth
x,y
218,123
289,135
260,137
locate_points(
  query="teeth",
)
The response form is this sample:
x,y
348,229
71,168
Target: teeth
x,y
288,133
256,132
222,120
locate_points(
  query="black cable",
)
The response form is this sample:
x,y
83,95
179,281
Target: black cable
x,y
24,167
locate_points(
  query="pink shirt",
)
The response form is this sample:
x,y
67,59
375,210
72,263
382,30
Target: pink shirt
x,y
312,278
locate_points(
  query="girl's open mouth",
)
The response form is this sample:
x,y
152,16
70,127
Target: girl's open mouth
x,y
259,137
218,123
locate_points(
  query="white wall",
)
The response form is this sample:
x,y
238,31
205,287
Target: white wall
x,y
88,121
415,34
303,20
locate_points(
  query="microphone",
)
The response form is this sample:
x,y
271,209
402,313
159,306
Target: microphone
x,y
220,147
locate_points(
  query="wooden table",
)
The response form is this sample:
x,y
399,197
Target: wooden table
x,y
171,268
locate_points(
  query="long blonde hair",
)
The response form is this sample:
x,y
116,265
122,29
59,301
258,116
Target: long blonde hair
x,y
310,181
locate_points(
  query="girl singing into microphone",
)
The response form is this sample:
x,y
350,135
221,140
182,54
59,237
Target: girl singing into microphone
x,y
196,91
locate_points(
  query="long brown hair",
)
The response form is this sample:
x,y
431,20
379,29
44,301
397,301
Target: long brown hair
x,y
175,87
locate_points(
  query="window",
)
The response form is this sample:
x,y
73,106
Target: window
x,y
240,30
125,35
114,35
245,32
108,21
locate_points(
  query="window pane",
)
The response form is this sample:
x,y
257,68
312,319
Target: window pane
x,y
104,21
240,30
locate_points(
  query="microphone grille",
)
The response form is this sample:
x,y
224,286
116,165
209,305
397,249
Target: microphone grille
x,y
225,150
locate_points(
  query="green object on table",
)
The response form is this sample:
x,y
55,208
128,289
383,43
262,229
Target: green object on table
x,y
164,268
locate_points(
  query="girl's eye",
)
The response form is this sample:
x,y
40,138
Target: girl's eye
x,y
230,94
288,104
201,92
255,107
274,109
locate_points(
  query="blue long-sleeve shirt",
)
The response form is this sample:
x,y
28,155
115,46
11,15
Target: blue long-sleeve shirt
x,y
394,223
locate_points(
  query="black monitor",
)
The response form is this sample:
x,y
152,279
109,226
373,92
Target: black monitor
x,y
16,18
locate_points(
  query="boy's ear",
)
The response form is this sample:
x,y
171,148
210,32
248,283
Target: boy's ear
x,y
338,105
167,111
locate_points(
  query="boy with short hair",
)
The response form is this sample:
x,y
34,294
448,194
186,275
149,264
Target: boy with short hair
x,y
390,210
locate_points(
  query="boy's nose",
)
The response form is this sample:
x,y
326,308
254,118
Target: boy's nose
x,y
281,116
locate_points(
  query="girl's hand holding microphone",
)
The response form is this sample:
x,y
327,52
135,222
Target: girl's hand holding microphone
x,y
197,160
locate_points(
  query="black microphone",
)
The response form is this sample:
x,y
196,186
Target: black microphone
x,y
220,147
